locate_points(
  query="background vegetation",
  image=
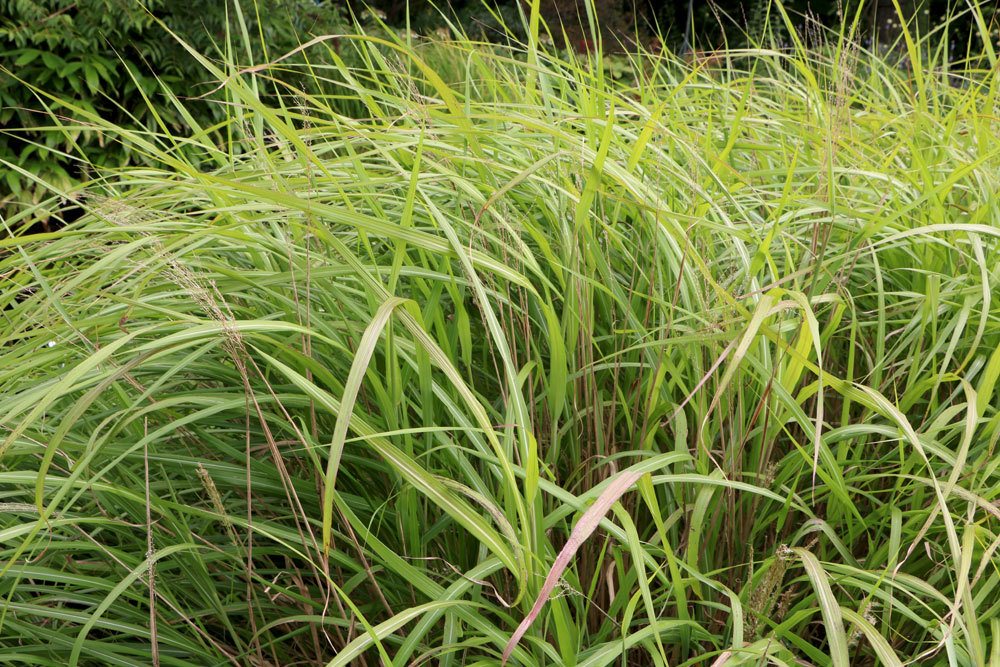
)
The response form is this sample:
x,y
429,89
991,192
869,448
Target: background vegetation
x,y
113,56
110,57
348,377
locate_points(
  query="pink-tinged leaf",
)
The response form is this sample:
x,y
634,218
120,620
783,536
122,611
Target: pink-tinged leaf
x,y
722,659
584,528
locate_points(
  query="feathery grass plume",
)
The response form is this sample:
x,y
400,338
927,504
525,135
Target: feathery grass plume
x,y
220,508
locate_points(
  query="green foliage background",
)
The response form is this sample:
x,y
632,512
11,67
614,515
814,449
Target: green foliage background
x,y
108,57
113,58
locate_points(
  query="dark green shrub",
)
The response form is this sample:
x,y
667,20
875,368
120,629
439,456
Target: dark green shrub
x,y
108,57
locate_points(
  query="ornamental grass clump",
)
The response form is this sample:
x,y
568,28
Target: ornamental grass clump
x,y
684,367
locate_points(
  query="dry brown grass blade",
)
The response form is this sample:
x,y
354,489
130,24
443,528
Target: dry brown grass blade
x,y
584,528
